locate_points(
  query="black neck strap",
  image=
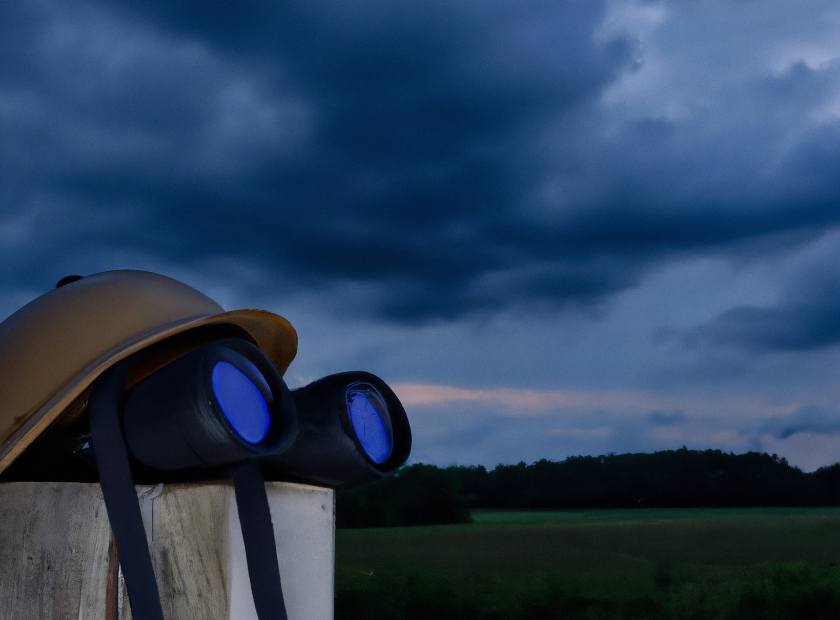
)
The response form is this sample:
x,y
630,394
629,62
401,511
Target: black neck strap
x,y
258,535
105,405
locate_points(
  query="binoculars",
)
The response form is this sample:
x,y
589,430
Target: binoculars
x,y
225,403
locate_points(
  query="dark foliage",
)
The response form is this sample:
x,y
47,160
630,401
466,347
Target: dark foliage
x,y
416,495
425,494
674,478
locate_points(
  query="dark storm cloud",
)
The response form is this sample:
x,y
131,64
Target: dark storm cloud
x,y
806,317
786,328
454,156
810,419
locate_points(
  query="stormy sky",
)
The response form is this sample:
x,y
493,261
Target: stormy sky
x,y
557,228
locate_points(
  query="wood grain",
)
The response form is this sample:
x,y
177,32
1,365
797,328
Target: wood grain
x,y
58,560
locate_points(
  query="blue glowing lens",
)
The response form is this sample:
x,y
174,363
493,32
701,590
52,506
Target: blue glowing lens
x,y
241,401
368,424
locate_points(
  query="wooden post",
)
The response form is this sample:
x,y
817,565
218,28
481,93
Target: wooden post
x,y
57,558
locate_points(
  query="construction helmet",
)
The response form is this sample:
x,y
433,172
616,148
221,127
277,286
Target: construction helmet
x,y
54,348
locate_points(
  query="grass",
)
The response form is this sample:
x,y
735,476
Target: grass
x,y
641,514
761,563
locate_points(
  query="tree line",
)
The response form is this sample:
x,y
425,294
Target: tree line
x,y
425,494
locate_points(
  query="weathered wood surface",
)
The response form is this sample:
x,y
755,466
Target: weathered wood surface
x,y
56,557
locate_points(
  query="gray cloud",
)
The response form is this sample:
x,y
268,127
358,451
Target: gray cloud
x,y
804,318
333,143
791,327
663,418
458,157
809,419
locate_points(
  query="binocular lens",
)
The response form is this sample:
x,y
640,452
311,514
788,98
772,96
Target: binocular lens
x,y
241,402
368,412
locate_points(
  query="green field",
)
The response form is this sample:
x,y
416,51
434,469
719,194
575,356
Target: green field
x,y
669,563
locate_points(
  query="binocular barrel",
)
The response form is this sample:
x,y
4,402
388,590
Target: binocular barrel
x,y
221,403
352,430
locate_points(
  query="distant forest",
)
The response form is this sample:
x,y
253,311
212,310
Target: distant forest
x,y
424,494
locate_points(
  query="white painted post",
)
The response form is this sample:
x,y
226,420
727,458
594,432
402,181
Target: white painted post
x,y
57,559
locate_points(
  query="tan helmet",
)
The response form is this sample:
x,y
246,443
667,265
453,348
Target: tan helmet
x,y
53,348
